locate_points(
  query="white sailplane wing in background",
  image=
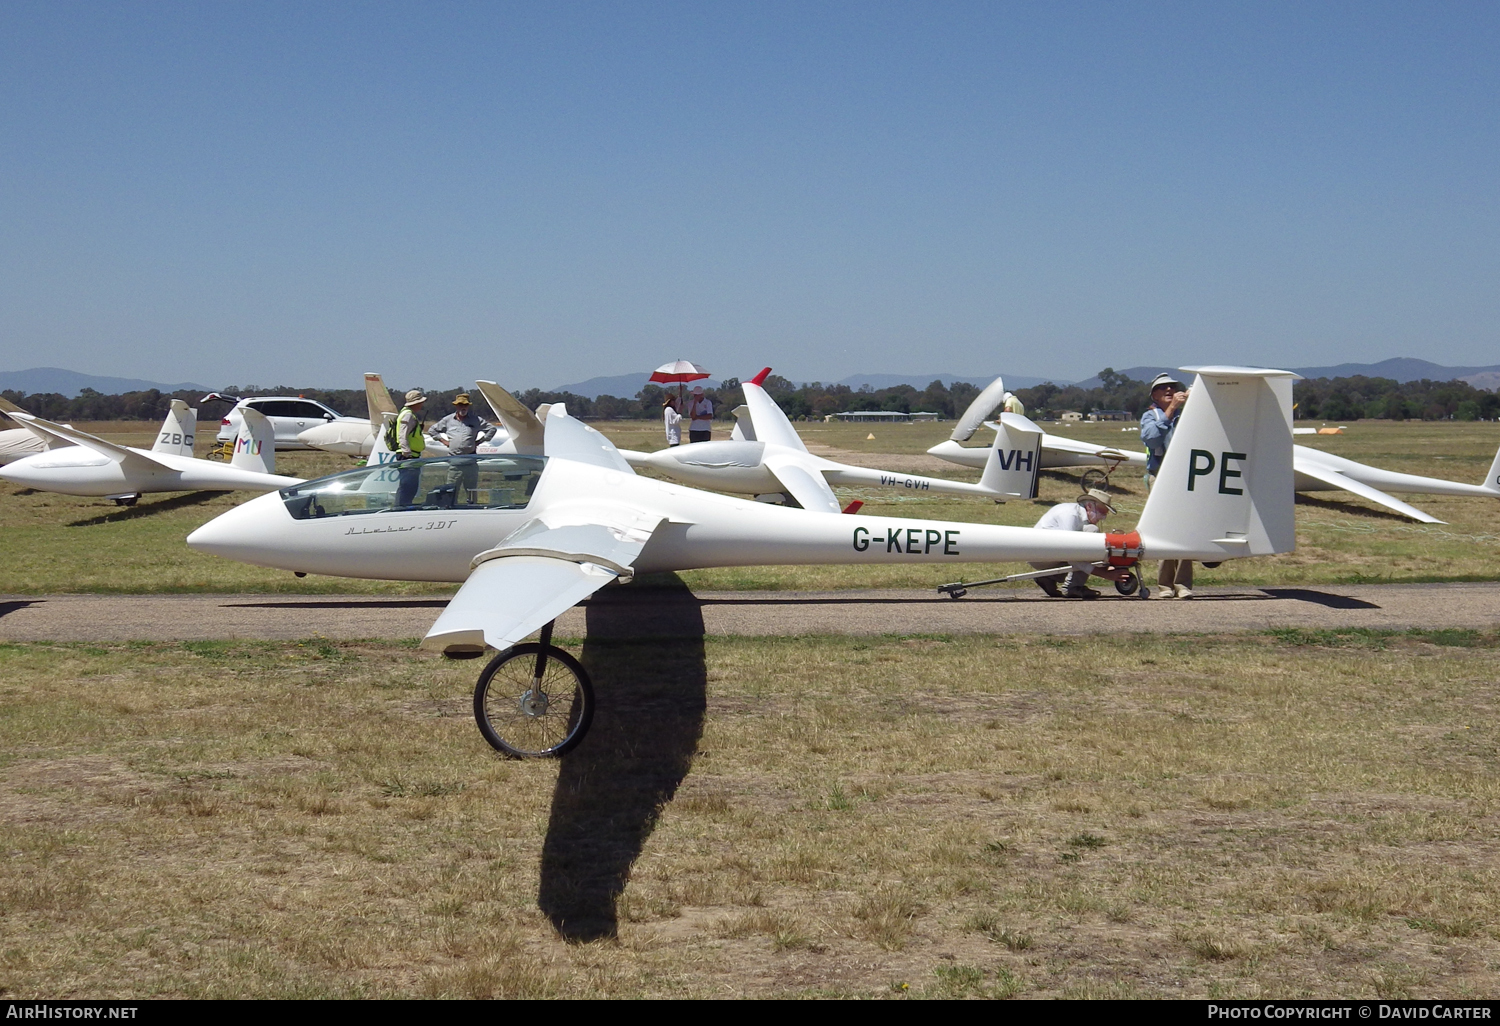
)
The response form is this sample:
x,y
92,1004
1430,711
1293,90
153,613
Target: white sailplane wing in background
x,y
1332,479
524,430
983,405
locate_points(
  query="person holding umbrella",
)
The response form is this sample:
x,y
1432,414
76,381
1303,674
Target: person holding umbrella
x,y
672,420
700,427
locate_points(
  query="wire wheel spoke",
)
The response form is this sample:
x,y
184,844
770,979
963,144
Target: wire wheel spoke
x,y
526,718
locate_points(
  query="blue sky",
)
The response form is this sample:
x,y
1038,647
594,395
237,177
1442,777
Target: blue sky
x,y
237,193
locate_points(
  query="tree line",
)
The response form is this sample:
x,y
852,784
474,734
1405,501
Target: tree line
x,y
1351,398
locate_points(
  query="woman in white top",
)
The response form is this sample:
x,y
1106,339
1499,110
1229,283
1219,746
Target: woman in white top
x,y
673,421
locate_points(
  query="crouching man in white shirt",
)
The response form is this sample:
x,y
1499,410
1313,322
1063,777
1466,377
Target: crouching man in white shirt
x,y
1086,514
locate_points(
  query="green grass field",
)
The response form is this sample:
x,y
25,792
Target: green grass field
x,y
59,544
1296,814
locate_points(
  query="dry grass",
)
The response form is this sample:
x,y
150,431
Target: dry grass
x,y
1303,813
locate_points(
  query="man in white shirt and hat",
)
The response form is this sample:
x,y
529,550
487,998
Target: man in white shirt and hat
x,y
700,413
1084,514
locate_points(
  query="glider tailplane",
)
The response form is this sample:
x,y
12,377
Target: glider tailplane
x,y
1015,460
979,410
255,445
1226,486
176,435
523,426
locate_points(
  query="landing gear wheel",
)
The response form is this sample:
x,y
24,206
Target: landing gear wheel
x,y
1129,585
533,701
1094,478
126,500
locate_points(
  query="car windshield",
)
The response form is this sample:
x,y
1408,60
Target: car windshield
x,y
453,482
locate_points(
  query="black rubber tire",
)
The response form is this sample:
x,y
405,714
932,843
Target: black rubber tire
x,y
497,703
1129,585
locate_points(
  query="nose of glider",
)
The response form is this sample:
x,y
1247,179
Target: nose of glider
x,y
249,533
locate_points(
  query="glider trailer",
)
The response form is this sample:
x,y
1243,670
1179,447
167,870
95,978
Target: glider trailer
x,y
531,536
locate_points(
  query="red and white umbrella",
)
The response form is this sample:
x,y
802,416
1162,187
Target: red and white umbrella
x,y
679,371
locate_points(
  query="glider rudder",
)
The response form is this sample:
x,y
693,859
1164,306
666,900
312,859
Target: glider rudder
x,y
1226,486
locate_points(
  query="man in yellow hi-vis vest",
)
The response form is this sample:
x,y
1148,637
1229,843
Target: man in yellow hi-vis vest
x,y
409,445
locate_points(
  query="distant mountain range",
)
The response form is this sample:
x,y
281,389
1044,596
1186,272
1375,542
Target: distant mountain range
x,y
70,383
1400,368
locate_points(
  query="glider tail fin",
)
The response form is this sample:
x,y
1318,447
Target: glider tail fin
x,y
378,399
744,425
1492,482
176,435
380,451
255,445
1225,488
1015,460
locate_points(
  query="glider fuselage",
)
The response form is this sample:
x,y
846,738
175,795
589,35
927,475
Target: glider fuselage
x,y
700,530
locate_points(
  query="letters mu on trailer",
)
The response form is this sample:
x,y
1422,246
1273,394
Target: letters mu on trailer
x,y
529,535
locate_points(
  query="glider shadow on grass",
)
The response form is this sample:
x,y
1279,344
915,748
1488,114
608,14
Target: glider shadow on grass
x,y
644,653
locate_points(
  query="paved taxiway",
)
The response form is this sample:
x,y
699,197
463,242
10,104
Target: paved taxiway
x,y
272,617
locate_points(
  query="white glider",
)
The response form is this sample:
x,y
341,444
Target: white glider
x,y
350,436
1056,450
767,459
530,536
85,464
1316,471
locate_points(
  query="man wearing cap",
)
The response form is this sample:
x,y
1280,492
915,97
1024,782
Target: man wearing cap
x,y
1175,579
463,429
700,416
1086,514
409,445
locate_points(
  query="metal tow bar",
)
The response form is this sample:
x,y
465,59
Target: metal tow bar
x,y
959,589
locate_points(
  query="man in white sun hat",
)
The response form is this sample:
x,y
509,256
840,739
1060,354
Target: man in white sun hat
x,y
1084,514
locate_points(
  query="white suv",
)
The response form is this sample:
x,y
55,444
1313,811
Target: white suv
x,y
289,415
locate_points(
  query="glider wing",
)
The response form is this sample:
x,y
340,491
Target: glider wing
x,y
128,459
1333,479
540,571
807,486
